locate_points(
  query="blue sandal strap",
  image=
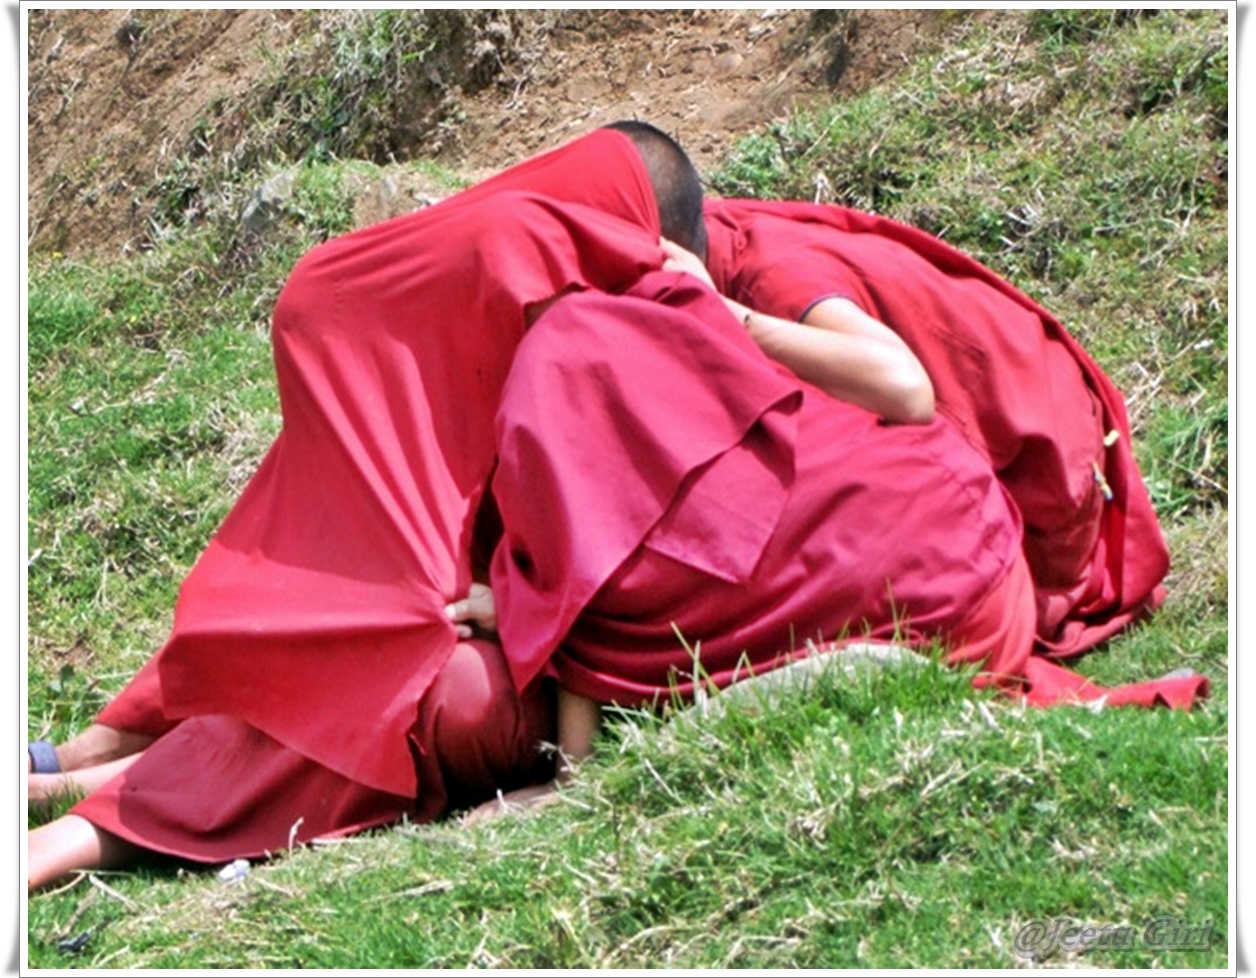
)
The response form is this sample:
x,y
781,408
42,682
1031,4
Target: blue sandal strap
x,y
43,757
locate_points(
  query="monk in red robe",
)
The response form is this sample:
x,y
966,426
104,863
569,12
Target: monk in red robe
x,y
1004,371
680,509
313,683
659,475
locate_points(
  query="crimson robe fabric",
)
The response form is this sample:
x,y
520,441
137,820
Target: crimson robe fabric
x,y
316,615
1005,372
679,509
215,788
662,484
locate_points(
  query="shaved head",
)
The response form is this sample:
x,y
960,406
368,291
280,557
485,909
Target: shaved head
x,y
677,186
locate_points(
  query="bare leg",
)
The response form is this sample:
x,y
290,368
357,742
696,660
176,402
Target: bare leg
x,y
72,843
79,782
97,745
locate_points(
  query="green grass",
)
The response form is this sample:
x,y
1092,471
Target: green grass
x,y
895,821
891,821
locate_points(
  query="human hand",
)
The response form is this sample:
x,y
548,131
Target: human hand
x,y
512,802
679,259
478,608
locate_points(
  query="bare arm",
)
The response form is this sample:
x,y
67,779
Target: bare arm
x,y
845,352
578,721
850,355
578,716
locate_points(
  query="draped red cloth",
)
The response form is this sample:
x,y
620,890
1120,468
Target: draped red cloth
x,y
1005,372
677,508
655,469
659,476
215,788
316,614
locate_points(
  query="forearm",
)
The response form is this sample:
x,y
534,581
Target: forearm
x,y
578,721
838,348
856,360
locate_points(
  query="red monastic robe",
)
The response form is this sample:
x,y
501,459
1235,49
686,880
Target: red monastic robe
x,y
678,508
314,622
1005,372
658,477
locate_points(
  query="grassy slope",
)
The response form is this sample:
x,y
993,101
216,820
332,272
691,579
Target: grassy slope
x,y
897,820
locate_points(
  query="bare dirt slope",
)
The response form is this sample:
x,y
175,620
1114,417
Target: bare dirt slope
x,y
115,95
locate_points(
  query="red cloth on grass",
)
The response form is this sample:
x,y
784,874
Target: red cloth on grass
x,y
215,788
1005,372
670,494
316,615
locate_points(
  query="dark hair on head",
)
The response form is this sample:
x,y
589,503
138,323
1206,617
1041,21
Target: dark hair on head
x,y
677,186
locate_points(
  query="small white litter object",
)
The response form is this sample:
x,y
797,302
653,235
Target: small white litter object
x,y
234,872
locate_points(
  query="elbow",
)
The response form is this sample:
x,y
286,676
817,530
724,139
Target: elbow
x,y
921,407
913,402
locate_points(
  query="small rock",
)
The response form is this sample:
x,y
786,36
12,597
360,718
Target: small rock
x,y
73,945
266,202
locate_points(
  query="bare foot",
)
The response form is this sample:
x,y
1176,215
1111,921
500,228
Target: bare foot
x,y
512,802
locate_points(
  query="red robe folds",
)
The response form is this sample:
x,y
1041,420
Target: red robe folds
x,y
658,474
668,493
316,614
315,619
1005,372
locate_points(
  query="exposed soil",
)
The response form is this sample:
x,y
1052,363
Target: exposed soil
x,y
113,99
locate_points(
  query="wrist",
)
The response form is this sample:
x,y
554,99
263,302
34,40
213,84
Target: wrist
x,y
743,314
754,323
